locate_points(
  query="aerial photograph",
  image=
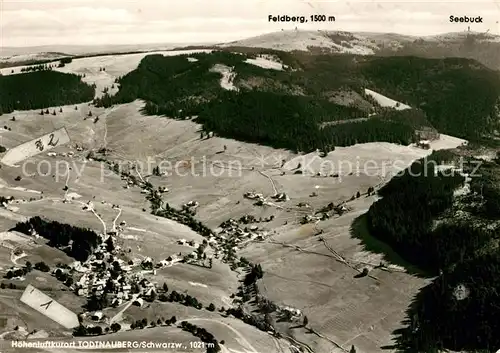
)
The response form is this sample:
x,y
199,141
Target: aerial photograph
x,y
258,176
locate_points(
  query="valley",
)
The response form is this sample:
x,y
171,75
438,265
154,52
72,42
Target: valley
x,y
248,196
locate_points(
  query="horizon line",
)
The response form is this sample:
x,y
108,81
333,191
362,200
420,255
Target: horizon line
x,y
244,38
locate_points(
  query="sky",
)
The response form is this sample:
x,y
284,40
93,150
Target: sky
x,y
103,22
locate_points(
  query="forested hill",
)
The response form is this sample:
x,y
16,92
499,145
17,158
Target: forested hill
x,y
308,105
42,89
445,221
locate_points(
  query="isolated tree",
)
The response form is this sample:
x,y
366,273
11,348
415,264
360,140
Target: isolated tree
x,y
54,112
60,110
76,108
13,118
110,246
165,287
47,111
173,319
115,327
90,113
98,330
29,266
152,297
305,321
42,266
211,307
352,350
358,194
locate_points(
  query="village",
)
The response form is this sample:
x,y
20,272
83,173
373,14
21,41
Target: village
x,y
107,279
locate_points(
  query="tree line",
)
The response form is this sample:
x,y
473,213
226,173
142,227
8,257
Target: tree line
x,y
459,96
271,113
42,89
60,235
417,216
458,311
405,215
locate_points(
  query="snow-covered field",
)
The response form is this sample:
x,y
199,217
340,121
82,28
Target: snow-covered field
x,y
196,284
73,195
446,142
302,40
114,65
265,63
386,101
29,57
18,188
227,78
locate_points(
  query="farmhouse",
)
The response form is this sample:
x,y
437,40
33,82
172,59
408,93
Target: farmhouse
x,y
138,302
96,316
281,197
425,144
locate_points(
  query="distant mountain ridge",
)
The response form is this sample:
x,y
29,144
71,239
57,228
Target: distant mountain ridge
x,y
483,47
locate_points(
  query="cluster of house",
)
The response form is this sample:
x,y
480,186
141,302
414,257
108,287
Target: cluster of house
x,y
232,230
290,312
254,196
261,200
281,197
190,206
311,218
185,242
323,214
63,154
97,272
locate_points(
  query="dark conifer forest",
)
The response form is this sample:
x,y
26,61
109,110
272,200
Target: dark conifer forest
x,y
459,96
42,89
319,102
75,241
459,310
410,204
294,108
451,237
